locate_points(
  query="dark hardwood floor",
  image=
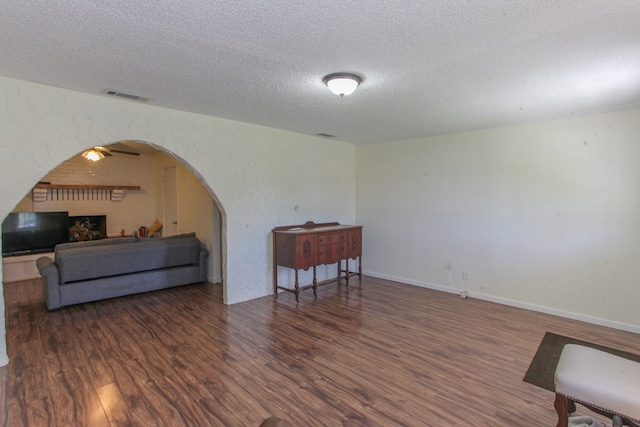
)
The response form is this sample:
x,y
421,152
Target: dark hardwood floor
x,y
383,354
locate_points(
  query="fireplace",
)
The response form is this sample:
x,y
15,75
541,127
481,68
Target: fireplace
x,y
87,227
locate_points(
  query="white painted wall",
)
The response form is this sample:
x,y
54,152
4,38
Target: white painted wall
x,y
257,175
545,216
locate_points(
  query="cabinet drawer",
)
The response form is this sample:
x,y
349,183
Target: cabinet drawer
x,y
331,253
355,243
331,238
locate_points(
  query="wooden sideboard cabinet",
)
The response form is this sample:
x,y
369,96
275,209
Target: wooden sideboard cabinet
x,y
310,245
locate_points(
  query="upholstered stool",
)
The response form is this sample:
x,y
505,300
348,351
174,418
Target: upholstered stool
x,y
603,382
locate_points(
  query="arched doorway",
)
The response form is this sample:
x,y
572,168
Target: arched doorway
x,y
136,166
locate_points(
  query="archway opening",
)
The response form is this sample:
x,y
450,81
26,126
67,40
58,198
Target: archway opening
x,y
125,187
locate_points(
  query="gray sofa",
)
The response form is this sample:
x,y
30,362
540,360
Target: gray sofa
x,y
90,271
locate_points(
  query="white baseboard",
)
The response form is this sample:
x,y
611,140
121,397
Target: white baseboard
x,y
4,360
520,304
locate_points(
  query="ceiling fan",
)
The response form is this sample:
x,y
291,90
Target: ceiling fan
x,y
99,152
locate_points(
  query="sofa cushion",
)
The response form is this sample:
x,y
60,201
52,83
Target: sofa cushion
x,y
180,236
94,261
90,243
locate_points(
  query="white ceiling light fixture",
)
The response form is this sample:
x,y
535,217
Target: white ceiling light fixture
x,y
342,83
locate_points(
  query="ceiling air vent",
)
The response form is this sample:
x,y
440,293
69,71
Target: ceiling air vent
x,y
125,95
325,135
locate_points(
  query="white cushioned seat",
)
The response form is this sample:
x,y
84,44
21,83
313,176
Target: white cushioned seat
x,y
599,379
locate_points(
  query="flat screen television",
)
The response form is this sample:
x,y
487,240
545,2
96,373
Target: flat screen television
x,y
25,233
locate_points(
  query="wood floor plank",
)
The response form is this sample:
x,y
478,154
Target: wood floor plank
x,y
77,402
114,405
379,354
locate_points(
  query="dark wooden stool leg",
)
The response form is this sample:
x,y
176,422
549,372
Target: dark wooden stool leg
x,y
561,404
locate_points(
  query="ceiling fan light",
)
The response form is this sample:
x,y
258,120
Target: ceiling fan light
x,y
93,155
342,83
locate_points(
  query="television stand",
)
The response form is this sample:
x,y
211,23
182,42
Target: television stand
x,y
22,267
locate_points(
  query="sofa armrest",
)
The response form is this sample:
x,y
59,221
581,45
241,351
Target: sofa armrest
x,y
202,264
51,281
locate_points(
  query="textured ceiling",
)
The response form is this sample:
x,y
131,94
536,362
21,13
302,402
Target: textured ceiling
x,y
429,67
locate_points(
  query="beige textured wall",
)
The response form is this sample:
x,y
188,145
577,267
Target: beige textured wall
x,y
544,216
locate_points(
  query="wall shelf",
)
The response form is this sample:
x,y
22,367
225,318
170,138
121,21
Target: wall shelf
x,y
44,192
86,187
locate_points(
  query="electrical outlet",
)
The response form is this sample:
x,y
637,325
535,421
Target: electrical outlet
x,y
466,276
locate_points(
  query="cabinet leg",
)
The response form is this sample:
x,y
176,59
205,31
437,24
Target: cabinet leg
x,y
315,283
297,286
346,271
275,278
360,269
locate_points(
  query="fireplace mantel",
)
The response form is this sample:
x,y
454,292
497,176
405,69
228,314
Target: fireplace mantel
x,y
86,187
